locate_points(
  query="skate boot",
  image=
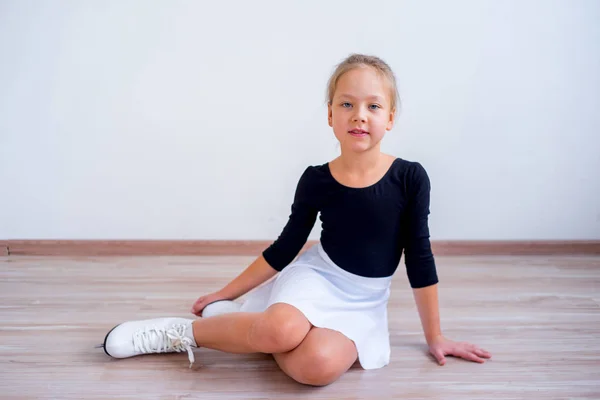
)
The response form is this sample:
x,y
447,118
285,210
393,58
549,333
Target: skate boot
x,y
221,307
160,335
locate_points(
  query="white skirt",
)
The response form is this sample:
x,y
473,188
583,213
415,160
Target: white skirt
x,y
333,298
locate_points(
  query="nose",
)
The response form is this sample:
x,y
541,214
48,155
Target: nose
x,y
359,115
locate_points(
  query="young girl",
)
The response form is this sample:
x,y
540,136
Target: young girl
x,y
328,308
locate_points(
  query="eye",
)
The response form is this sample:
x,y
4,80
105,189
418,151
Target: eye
x,y
374,106
346,104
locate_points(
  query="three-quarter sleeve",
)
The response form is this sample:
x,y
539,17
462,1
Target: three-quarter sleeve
x,y
418,257
300,223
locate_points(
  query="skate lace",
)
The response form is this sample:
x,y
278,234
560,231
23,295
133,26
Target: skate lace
x,y
154,340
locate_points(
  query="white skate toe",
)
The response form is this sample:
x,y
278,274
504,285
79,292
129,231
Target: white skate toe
x,y
160,335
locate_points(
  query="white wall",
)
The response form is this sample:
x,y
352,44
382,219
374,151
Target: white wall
x,y
194,120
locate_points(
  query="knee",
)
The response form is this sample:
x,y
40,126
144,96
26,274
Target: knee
x,y
281,329
320,369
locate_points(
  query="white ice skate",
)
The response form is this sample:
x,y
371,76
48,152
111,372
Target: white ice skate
x,y
221,307
160,335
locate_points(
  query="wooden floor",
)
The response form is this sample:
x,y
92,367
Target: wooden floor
x,y
538,316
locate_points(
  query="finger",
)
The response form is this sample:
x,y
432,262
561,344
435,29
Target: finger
x,y
470,347
197,307
467,355
477,350
439,356
200,300
197,313
482,353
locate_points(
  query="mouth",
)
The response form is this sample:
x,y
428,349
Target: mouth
x,y
358,132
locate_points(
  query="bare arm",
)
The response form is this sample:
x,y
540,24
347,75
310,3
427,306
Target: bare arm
x,y
439,346
423,277
285,248
256,273
427,304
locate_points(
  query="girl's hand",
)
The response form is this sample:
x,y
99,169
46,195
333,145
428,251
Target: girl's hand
x,y
441,347
205,300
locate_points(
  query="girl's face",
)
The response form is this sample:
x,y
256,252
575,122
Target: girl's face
x,y
360,112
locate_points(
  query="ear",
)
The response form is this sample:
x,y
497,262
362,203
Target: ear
x,y
329,115
390,123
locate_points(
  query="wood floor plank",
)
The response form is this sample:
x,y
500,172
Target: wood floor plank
x,y
539,316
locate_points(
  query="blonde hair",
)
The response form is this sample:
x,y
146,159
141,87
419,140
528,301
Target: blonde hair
x,y
361,60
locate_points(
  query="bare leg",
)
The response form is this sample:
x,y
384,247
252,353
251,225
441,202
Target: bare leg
x,y
322,357
280,328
